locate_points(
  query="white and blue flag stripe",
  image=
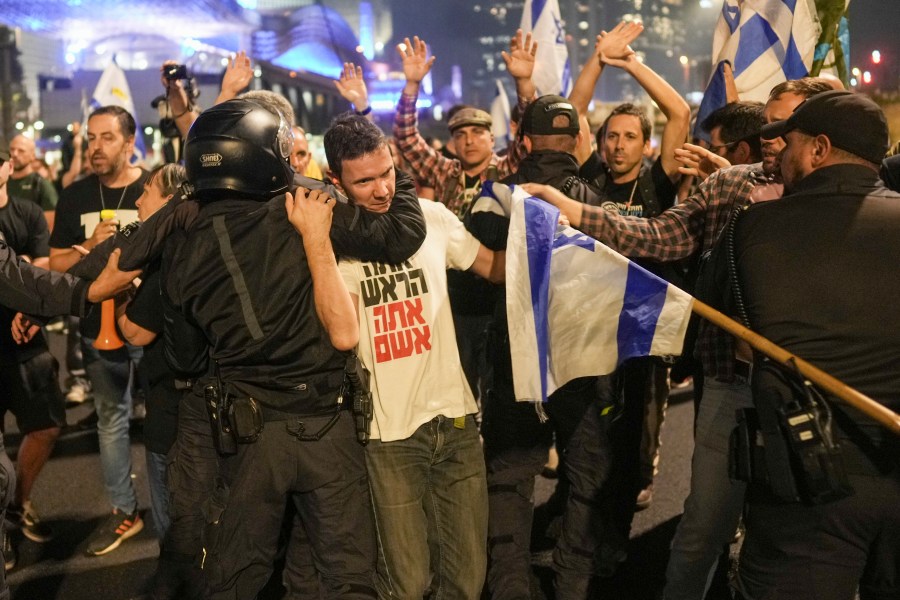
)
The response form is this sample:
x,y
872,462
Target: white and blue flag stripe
x,y
577,308
552,74
766,41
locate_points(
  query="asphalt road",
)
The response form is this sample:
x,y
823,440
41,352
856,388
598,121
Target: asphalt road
x,y
69,496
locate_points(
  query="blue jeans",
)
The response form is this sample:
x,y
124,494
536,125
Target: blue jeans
x,y
713,506
430,498
159,492
110,372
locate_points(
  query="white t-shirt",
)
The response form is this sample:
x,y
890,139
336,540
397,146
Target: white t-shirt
x,y
406,337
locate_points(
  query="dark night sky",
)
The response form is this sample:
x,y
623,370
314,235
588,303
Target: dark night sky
x,y
450,28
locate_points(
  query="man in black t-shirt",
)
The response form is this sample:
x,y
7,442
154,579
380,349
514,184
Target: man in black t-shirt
x,y
114,186
630,186
28,372
24,182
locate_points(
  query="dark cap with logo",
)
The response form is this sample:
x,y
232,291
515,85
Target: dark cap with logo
x,y
4,149
851,121
469,116
541,114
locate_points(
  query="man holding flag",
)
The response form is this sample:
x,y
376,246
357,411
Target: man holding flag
x,y
713,507
813,278
516,440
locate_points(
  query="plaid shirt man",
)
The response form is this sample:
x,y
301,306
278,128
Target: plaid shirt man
x,y
444,174
681,231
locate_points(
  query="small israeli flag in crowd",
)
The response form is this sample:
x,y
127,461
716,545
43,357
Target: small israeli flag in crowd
x,y
112,89
501,115
575,307
552,74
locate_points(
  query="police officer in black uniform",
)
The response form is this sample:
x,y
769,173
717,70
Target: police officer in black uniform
x,y
270,310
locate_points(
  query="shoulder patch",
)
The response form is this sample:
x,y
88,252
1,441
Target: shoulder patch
x,y
129,229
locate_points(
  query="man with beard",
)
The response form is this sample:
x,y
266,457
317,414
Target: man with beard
x,y
713,507
812,274
115,185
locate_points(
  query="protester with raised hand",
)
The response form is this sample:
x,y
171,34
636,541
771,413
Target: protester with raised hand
x,y
352,87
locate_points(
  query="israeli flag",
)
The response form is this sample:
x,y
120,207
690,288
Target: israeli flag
x,y
501,115
575,307
766,42
112,89
715,97
552,74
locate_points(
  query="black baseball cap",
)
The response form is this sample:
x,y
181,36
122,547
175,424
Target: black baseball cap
x,y
539,116
853,122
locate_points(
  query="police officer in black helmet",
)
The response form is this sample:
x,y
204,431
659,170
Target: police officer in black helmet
x,y
270,310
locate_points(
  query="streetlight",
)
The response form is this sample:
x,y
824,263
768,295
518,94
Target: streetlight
x,y
686,71
876,57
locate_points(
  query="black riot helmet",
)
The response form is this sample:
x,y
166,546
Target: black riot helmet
x,y
238,149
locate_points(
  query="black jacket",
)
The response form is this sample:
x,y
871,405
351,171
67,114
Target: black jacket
x,y
251,308
818,277
391,237
559,169
36,291
242,280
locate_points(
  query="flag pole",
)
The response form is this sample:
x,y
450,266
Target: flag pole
x,y
854,398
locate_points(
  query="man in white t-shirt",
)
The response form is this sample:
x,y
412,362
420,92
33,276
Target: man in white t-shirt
x,y
426,466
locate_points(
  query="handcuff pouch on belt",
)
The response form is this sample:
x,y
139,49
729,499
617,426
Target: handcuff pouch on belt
x,y
357,377
217,410
785,442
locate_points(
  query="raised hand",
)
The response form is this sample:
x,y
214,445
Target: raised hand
x,y
352,86
416,62
521,56
238,74
613,47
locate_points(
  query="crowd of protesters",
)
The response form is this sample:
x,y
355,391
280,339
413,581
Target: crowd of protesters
x,y
324,356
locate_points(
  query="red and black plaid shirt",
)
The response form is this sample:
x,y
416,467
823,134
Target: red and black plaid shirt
x,y
435,170
679,232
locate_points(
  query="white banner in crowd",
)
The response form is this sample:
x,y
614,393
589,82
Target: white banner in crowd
x,y
552,74
112,89
575,307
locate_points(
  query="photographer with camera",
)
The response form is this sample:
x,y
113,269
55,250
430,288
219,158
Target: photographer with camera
x,y
181,92
426,468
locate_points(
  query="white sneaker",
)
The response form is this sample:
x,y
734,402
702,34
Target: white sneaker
x,y
79,390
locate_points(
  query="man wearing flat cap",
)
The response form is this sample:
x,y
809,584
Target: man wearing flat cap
x,y
457,181
817,275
